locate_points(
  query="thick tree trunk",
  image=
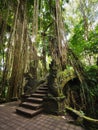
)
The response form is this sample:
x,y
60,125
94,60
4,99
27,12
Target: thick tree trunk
x,y
20,52
61,38
34,58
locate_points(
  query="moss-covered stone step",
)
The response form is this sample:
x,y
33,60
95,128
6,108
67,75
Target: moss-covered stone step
x,y
34,99
41,91
28,112
32,106
43,88
38,95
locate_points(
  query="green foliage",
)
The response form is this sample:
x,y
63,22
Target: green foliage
x,y
77,41
92,71
67,1
80,45
93,41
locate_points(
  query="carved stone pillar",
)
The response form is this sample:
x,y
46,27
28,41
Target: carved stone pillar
x,y
53,103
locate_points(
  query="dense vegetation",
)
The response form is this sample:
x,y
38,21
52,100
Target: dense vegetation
x,y
35,32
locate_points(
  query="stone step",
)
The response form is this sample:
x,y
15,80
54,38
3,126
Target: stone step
x,y
41,91
45,85
34,99
28,112
25,96
38,95
32,106
43,88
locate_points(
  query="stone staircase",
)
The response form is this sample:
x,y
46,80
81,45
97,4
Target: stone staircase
x,y
34,103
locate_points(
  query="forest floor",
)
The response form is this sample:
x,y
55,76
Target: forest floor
x,y
10,120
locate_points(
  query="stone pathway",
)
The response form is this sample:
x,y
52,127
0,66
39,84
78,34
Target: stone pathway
x,y
9,120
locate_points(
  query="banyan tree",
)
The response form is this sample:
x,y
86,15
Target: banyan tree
x,y
35,46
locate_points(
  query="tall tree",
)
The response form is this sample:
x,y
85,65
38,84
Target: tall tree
x,y
21,43
34,59
6,55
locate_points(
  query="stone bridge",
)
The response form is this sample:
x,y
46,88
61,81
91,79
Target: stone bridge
x,y
65,76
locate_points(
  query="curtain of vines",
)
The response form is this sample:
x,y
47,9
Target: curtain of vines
x,y
34,57
61,38
17,54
